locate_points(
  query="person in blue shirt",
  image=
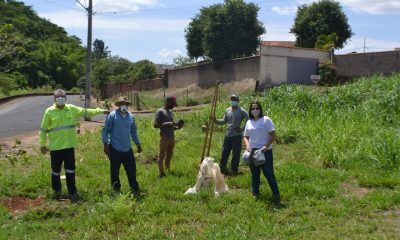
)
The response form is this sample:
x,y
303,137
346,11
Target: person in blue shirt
x,y
117,132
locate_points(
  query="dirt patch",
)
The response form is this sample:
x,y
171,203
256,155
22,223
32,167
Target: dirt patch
x,y
149,160
18,204
30,141
391,220
352,189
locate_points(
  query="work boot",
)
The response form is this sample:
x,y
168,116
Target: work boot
x,y
136,194
161,175
56,195
277,201
74,197
226,172
256,195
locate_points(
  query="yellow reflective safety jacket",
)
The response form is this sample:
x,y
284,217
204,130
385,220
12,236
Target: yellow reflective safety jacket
x,y
59,125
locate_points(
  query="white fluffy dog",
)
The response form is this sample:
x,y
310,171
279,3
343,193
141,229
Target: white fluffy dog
x,y
209,170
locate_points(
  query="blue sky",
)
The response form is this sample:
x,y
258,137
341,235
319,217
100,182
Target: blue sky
x,y
154,29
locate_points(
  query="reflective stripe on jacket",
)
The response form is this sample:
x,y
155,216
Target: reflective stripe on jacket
x,y
59,125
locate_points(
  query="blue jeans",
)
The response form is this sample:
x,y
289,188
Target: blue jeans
x,y
128,161
233,144
268,171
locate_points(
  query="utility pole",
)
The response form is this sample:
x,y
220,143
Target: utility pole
x,y
364,44
88,83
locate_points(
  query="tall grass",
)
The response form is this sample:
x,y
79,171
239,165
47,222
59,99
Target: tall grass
x,y
342,125
342,128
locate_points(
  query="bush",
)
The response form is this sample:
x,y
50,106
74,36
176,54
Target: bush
x,y
6,84
327,73
192,101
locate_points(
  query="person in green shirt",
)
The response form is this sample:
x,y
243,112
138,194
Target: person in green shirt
x,y
58,125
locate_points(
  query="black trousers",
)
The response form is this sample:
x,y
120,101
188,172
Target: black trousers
x,y
128,161
57,158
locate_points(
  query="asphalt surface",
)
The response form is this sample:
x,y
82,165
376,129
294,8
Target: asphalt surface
x,y
25,115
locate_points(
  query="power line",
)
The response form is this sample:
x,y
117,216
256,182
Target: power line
x,y
62,5
81,4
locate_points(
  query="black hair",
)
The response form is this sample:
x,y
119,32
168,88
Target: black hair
x,y
259,106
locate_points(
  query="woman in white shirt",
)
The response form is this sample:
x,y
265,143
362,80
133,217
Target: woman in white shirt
x,y
259,134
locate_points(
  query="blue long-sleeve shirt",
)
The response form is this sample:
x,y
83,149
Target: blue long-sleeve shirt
x,y
118,131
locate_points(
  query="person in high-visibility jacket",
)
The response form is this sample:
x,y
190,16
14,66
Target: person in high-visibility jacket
x,y
58,124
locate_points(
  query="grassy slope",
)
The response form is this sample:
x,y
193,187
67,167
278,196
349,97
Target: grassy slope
x,y
326,141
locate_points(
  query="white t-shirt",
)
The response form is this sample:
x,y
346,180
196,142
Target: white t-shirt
x,y
258,131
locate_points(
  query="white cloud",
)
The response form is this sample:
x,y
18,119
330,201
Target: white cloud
x,y
356,44
285,10
166,53
367,6
278,32
119,5
372,6
70,19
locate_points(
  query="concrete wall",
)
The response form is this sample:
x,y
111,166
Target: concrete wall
x,y
365,64
140,85
274,62
205,75
182,77
273,70
295,52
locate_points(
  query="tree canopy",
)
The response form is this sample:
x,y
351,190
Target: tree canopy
x,y
224,31
100,50
325,17
35,52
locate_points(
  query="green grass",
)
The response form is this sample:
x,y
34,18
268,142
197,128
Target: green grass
x,y
45,89
328,137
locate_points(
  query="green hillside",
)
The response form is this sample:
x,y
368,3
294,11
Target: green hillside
x,y
35,52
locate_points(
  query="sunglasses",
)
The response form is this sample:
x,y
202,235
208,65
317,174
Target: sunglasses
x,y
255,109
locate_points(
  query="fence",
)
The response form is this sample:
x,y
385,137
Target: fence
x,y
114,89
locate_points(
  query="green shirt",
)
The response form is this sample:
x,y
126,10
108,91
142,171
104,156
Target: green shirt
x,y
59,125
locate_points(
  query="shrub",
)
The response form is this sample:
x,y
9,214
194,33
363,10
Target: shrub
x,y
327,73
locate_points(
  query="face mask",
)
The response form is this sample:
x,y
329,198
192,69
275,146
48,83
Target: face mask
x,y
255,112
170,106
234,103
123,108
60,101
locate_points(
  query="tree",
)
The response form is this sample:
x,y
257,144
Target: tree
x,y
323,17
12,48
326,42
35,50
143,70
194,38
108,70
6,84
182,61
100,50
224,31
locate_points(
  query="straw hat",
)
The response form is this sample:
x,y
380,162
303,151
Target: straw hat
x,y
122,101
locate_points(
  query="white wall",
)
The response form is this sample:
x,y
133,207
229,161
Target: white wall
x,y
273,70
295,52
273,61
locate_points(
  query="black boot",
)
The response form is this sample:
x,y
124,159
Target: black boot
x,y
277,201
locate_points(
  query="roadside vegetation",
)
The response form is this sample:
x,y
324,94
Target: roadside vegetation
x,y
337,163
189,96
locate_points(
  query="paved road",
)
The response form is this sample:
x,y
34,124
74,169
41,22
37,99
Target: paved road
x,y
24,115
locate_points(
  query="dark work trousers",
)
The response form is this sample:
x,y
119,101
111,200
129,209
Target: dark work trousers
x,y
233,144
57,158
268,170
128,160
